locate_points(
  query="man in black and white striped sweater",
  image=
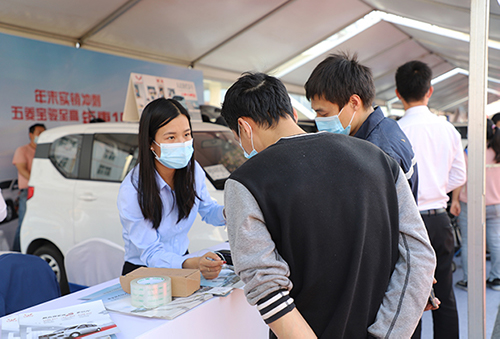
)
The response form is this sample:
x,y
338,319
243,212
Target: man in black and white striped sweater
x,y
323,228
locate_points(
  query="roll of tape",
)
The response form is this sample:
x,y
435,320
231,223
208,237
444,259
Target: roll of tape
x,y
151,292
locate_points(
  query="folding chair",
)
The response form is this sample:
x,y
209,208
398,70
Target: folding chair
x,y
26,281
94,261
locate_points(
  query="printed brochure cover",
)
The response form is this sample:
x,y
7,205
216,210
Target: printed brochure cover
x,y
89,320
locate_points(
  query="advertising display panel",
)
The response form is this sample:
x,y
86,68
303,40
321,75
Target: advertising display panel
x,y
143,89
60,85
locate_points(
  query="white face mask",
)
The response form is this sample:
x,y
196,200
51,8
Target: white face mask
x,y
175,155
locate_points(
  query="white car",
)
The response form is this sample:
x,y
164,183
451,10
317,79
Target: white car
x,y
10,193
75,179
74,331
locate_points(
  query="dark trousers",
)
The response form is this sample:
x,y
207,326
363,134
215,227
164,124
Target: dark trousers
x,y
445,318
23,197
129,267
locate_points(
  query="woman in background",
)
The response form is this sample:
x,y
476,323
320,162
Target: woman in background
x,y
159,199
492,201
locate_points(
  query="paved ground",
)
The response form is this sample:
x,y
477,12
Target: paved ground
x,y
492,305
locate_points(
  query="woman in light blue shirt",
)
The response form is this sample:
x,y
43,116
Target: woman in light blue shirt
x,y
159,199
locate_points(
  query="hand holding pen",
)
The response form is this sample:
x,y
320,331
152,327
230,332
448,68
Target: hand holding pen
x,y
210,265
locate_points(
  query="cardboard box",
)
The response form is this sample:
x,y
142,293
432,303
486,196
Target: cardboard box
x,y
184,281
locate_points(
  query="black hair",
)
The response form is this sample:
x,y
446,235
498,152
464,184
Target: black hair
x,y
493,138
495,118
261,97
33,127
413,80
338,77
155,115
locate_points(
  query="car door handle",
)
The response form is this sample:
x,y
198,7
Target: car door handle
x,y
88,197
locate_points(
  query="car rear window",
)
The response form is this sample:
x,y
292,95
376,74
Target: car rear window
x,y
113,156
64,154
5,184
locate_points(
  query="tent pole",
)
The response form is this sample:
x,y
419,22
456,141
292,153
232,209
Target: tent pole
x,y
478,73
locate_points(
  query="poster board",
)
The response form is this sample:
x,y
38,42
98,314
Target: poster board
x,y
142,89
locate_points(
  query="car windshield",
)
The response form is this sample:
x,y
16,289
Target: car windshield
x,y
5,184
219,154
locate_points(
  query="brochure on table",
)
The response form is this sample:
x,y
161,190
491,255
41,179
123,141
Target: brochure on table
x,y
143,89
117,300
90,320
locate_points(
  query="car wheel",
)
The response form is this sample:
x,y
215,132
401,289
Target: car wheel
x,y
54,258
74,335
11,212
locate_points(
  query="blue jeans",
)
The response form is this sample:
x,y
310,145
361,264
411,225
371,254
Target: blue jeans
x,y
23,197
492,238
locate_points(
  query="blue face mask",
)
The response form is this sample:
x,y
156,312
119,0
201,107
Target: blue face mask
x,y
176,155
253,152
333,125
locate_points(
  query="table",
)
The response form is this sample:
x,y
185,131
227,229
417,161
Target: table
x,y
220,317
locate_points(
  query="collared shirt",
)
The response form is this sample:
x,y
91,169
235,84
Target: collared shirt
x,y
439,153
23,155
165,246
388,136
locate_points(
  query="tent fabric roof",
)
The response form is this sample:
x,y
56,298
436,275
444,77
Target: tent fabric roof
x,y
224,38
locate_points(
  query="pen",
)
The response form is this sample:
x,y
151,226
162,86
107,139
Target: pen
x,y
212,259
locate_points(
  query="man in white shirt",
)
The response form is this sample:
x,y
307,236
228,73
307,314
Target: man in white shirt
x,y
440,158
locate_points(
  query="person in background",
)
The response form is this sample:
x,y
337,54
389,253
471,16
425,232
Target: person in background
x,y
3,207
438,149
496,119
341,91
492,199
317,255
23,158
159,199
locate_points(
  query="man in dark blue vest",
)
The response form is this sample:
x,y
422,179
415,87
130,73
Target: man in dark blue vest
x,y
323,228
341,91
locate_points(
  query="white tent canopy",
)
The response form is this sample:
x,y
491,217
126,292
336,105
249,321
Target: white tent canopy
x,y
224,38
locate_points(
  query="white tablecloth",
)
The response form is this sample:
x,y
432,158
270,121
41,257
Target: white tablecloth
x,y
219,317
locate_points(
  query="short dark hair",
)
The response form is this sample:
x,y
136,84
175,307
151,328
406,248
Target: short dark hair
x,y
258,96
340,76
32,127
413,80
496,117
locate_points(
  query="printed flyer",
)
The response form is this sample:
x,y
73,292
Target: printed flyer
x,y
117,300
89,320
